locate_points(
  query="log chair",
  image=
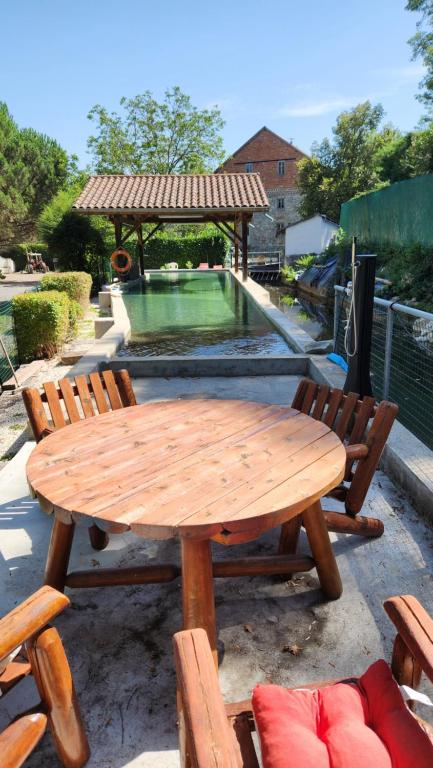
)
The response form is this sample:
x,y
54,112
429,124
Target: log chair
x,y
215,734
57,406
349,417
44,658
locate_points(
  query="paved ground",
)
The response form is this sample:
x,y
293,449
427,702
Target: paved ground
x,y
18,282
119,640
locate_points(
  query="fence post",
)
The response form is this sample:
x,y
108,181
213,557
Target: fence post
x,y
336,317
388,351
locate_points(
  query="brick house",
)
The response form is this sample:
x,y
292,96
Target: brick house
x,y
275,159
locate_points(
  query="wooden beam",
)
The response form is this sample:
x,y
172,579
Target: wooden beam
x,y
244,247
152,232
117,231
140,247
221,229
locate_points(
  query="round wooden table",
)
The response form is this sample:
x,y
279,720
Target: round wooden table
x,y
200,470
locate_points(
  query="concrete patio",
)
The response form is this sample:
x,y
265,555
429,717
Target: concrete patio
x,y
119,639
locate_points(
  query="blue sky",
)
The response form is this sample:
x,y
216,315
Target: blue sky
x,y
292,66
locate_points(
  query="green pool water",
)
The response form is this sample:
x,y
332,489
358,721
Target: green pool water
x,y
196,313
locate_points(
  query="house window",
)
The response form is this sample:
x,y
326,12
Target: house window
x,y
249,167
281,167
280,229
280,202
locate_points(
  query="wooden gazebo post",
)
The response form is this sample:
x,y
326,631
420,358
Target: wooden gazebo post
x,y
244,247
236,244
140,247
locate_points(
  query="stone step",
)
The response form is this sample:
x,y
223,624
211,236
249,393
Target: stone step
x,y
23,374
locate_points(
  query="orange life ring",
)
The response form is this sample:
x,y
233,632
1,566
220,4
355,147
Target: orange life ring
x,y
124,255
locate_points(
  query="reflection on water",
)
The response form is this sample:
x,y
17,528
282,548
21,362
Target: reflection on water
x,y
197,313
315,318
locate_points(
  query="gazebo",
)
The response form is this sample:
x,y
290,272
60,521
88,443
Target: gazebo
x,y
228,200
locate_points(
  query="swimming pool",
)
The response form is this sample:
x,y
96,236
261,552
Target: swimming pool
x,y
196,313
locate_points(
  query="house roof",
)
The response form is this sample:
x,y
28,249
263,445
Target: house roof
x,y
173,194
254,136
314,216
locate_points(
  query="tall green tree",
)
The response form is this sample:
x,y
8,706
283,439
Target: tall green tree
x,y
347,165
422,47
171,136
33,167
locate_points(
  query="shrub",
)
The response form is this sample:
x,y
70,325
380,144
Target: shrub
x,y
76,312
306,261
288,274
76,284
42,323
185,251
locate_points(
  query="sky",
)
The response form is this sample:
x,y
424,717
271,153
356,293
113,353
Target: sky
x,y
292,65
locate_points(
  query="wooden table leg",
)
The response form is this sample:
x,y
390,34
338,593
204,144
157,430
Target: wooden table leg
x,y
59,551
289,536
318,538
197,589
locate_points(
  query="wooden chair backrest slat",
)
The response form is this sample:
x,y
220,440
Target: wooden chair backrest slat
x,y
320,404
85,396
346,414
69,401
112,391
98,393
67,392
335,400
54,405
124,386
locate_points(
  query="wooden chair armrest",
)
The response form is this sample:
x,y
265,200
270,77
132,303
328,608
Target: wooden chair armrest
x,y
208,736
356,451
29,617
20,738
415,628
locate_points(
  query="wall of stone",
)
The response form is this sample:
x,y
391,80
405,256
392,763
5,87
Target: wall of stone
x,y
264,235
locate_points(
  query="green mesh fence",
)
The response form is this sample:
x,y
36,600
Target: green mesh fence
x,y
411,364
7,334
401,214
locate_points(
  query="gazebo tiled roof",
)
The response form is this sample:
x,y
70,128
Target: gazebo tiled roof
x,y
173,194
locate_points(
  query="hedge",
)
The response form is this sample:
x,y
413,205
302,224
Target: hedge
x,y
18,253
165,248
76,284
43,321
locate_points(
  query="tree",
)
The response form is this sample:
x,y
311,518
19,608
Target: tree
x,y
33,167
150,137
422,47
348,165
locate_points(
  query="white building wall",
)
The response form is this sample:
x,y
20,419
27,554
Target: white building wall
x,y
309,236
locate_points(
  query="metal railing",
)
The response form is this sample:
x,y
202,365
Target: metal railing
x,y
401,358
7,334
261,258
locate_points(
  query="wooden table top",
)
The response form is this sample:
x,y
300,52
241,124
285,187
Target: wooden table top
x,y
195,468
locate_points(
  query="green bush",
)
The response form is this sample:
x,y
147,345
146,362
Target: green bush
x,y
185,251
306,261
76,284
288,274
42,323
76,312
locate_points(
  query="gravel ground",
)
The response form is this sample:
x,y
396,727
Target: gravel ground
x,y
13,416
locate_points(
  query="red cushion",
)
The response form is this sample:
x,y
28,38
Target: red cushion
x,y
346,725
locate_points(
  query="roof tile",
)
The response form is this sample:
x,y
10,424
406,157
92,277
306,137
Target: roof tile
x,y
167,193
